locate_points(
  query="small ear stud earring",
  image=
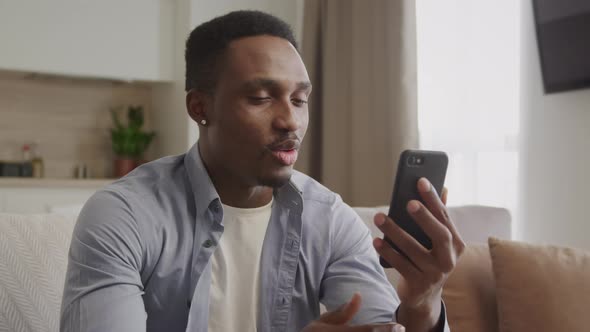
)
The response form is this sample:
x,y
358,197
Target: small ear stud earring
x,y
203,122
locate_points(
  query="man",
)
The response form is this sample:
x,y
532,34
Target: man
x,y
228,237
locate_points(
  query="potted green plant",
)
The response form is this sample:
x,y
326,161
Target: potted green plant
x,y
129,141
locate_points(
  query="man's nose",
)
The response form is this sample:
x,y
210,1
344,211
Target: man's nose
x,y
287,117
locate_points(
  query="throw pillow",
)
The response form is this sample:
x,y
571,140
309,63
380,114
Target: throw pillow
x,y
469,293
540,288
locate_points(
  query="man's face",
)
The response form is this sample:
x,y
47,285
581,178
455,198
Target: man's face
x,y
259,114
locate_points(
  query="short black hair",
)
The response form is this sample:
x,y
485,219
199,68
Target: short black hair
x,y
207,42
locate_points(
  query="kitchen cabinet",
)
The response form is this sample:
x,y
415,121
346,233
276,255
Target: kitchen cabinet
x,y
120,40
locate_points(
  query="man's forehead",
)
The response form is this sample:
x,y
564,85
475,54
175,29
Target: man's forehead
x,y
263,51
273,83
256,43
265,62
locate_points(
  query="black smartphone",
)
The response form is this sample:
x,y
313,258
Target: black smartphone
x,y
413,165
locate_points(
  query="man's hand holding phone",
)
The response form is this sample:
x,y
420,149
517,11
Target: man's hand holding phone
x,y
424,271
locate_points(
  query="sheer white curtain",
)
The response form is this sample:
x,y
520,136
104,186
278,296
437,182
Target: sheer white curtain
x,y
468,95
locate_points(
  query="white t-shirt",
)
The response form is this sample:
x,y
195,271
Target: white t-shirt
x,y
233,303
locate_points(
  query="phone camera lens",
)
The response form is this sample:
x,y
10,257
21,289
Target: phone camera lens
x,y
412,160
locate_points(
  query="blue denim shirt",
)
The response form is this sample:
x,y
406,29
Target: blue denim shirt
x,y
140,253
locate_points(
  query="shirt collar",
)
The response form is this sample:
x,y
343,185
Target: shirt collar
x,y
205,194
203,189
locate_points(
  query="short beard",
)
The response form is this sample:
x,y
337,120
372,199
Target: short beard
x,y
275,182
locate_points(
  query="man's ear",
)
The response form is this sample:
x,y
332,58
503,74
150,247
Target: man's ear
x,y
196,106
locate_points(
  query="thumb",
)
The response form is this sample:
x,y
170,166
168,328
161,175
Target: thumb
x,y
344,313
390,327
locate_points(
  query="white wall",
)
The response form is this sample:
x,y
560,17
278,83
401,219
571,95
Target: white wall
x,y
555,172
289,10
171,121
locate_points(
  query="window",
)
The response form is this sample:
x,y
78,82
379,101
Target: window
x,y
468,95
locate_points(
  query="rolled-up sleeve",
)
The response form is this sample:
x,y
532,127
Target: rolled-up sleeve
x,y
354,267
103,289
443,323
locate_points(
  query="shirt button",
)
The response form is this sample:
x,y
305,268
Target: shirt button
x,y
208,244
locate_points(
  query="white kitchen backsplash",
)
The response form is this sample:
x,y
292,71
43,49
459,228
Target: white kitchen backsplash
x,y
68,117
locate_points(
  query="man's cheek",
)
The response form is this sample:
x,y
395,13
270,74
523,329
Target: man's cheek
x,y
303,129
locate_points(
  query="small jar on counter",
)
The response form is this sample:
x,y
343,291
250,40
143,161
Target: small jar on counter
x,y
36,161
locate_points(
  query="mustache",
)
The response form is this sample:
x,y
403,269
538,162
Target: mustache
x,y
286,142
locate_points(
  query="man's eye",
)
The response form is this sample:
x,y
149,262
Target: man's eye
x,y
258,100
298,102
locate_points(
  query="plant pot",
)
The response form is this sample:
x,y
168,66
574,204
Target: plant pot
x,y
123,166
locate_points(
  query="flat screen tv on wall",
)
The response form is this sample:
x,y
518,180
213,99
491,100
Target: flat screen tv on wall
x,y
563,36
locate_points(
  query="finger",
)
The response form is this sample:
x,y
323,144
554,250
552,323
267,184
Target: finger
x,y
444,196
344,313
404,241
432,200
442,239
391,327
437,207
395,259
436,231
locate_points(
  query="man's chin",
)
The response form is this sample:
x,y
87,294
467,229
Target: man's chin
x,y
276,180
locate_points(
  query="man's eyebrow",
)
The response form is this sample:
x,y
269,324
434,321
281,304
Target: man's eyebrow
x,y
305,85
272,84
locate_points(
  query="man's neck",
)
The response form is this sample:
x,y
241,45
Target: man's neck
x,y
232,191
245,198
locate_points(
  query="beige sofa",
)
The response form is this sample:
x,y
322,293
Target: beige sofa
x,y
33,258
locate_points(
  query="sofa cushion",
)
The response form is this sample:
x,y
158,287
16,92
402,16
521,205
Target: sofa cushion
x,y
469,293
540,288
475,223
33,260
